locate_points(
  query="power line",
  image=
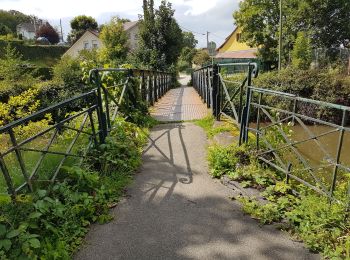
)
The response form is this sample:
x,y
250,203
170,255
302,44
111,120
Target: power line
x,y
192,31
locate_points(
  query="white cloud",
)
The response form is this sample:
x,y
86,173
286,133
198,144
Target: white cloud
x,y
65,8
197,15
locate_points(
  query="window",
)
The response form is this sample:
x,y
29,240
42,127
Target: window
x,y
136,37
238,37
94,44
86,45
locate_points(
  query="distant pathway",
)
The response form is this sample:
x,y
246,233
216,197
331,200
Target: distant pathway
x,y
175,210
180,104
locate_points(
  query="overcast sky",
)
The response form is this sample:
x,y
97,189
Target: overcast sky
x,y
198,16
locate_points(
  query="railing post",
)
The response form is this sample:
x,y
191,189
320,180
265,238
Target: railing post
x,y
339,148
248,97
215,93
155,87
243,134
102,127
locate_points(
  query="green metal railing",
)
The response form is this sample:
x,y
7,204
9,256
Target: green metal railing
x,y
219,92
37,159
268,118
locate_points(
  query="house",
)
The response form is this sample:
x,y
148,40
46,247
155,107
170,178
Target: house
x,y
90,40
235,50
28,30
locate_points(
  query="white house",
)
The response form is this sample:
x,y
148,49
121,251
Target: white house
x,y
28,30
90,39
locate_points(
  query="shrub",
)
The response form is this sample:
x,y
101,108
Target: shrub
x,y
68,72
301,54
51,223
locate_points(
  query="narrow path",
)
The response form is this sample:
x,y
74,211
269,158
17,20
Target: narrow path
x,y
174,210
180,104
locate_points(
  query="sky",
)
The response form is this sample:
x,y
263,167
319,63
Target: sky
x,y
198,16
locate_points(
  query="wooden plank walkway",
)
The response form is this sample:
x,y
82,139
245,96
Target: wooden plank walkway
x,y
180,104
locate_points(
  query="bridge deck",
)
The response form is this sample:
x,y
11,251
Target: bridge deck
x,y
180,104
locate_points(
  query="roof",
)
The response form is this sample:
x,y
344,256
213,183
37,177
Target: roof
x,y
96,33
129,25
246,54
29,27
227,38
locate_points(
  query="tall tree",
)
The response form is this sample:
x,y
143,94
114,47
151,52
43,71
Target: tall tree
x,y
160,36
12,18
79,25
115,41
47,31
189,40
326,21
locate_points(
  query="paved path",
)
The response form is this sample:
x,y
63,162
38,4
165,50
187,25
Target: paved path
x,y
180,104
174,210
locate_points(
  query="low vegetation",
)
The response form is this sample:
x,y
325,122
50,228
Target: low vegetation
x,y
51,222
308,216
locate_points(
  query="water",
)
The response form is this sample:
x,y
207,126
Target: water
x,y
311,151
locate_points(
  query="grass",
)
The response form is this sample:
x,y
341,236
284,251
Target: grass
x,y
211,130
50,162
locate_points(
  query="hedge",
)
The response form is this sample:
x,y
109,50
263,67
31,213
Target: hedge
x,y
45,55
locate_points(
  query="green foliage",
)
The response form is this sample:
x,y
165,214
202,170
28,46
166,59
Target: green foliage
x,y
323,226
207,123
115,41
12,18
189,40
201,57
186,58
225,160
14,76
301,54
4,30
39,55
160,37
68,72
51,224
329,84
326,20
121,153
79,25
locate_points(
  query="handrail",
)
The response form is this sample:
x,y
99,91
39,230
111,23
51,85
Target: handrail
x,y
96,111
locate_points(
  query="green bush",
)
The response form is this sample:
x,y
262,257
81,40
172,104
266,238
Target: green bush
x,y
329,85
45,56
225,160
51,223
301,54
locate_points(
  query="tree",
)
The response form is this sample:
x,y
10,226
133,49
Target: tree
x,y
189,40
79,25
115,41
4,29
47,31
187,55
201,57
160,37
327,22
301,54
12,18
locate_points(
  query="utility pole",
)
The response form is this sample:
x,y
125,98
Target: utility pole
x,y
280,40
61,30
208,41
